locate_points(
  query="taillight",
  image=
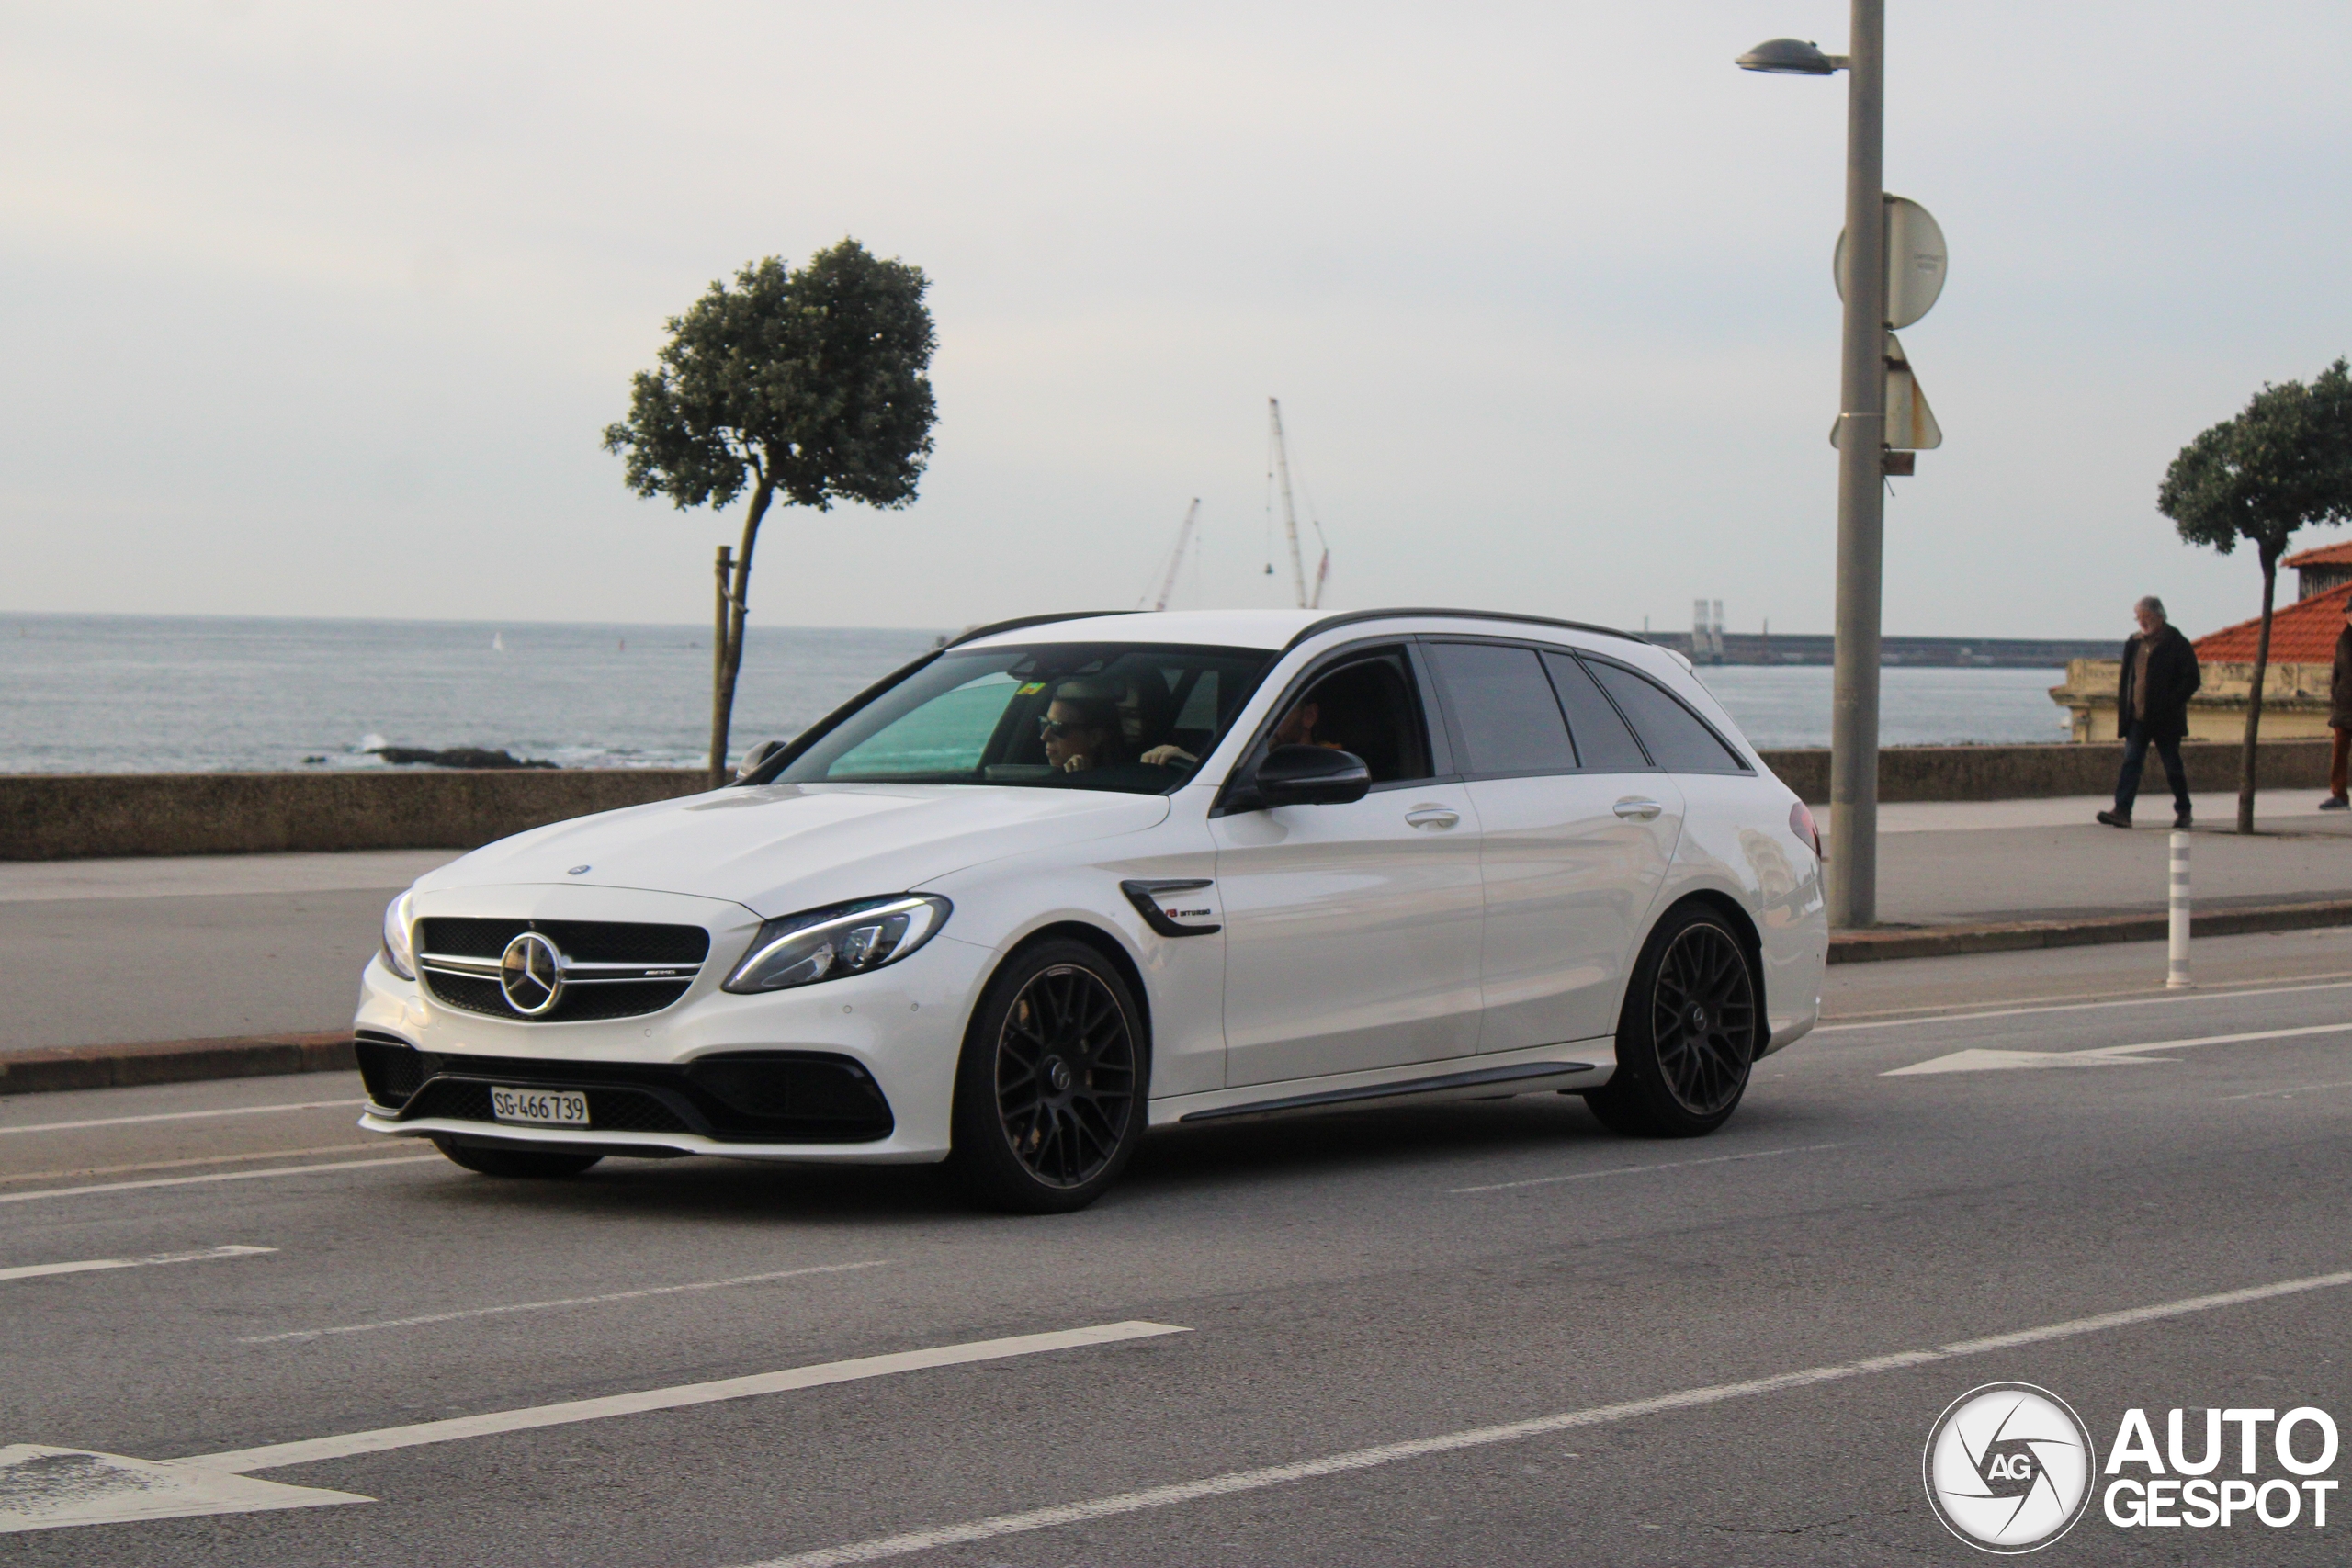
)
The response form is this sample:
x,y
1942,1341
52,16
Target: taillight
x,y
1801,824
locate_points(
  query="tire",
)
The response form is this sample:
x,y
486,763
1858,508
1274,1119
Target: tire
x,y
1689,1032
1050,1087
534,1164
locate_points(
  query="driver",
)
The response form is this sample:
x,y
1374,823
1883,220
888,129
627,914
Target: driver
x,y
1082,728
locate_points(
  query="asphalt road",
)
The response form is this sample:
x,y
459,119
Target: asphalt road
x,y
1341,1284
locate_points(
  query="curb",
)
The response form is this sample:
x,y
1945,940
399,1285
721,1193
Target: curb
x,y
173,1061
1954,942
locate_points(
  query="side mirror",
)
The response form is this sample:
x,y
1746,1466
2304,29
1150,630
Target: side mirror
x,y
1311,775
756,758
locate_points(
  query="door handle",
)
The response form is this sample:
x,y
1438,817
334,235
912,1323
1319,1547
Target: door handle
x,y
1436,819
1634,809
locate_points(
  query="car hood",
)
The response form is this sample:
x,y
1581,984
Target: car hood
x,y
777,849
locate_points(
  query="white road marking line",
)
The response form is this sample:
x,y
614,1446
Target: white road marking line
x,y
223,1176
181,1164
2282,1093
91,1266
1981,1060
2208,994
1480,1436
565,1301
240,1460
1638,1169
181,1116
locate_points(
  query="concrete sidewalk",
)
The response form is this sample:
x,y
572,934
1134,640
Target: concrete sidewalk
x,y
1971,863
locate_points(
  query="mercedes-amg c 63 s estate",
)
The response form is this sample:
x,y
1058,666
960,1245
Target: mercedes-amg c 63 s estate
x,y
1066,879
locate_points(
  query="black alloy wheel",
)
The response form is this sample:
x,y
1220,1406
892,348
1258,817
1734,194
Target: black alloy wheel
x,y
531,1164
1690,1032
1049,1094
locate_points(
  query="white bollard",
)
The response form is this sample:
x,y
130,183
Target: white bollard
x,y
2177,978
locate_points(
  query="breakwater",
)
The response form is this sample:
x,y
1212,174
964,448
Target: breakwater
x,y
82,816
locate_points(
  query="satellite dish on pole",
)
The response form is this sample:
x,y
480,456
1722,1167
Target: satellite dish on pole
x,y
1915,261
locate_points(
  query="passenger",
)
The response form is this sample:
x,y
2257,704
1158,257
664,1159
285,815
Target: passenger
x,y
1082,729
1297,729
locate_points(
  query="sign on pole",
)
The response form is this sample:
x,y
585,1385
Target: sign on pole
x,y
1910,424
1915,261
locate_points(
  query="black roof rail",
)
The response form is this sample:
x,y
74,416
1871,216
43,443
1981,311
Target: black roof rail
x,y
975,633
1353,616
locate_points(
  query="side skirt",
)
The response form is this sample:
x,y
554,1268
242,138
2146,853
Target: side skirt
x,y
1495,1081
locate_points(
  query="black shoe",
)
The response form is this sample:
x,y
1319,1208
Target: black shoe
x,y
2115,818
2180,823
2335,802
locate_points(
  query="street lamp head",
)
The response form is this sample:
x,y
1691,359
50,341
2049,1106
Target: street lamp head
x,y
1788,57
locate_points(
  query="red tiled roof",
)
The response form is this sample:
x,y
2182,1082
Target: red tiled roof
x,y
2303,632
2327,554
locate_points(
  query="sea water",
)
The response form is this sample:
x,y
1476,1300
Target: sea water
x,y
132,693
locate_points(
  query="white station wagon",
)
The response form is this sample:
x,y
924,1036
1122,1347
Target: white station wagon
x,y
1068,878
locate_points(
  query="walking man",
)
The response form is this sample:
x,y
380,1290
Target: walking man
x,y
2339,717
2160,674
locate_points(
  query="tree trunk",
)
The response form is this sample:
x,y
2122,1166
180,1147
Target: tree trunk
x,y
2253,703
719,709
736,608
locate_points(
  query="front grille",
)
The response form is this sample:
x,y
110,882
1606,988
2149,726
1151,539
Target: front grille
x,y
742,1097
579,1003
453,952
588,942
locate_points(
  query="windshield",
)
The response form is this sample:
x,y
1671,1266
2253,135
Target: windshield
x,y
1065,716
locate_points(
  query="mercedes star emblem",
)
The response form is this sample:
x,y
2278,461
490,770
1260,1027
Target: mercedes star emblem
x,y
530,972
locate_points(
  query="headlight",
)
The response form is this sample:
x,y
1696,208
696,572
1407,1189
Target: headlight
x,y
399,957
846,938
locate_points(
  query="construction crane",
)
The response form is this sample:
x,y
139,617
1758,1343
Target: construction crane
x,y
1308,600
1176,561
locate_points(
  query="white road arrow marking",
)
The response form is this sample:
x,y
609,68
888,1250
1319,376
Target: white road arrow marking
x,y
43,1488
1982,1060
91,1265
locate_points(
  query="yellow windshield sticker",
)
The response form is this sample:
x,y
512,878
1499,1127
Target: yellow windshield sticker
x,y
1031,690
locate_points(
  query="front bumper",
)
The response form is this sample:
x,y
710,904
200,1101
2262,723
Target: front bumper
x,y
859,1070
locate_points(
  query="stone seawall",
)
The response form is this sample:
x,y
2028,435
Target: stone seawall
x,y
2061,768
79,816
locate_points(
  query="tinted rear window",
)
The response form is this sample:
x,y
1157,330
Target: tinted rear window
x,y
1511,722
1603,743
1676,738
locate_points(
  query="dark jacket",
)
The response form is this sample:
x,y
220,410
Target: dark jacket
x,y
2173,678
2339,687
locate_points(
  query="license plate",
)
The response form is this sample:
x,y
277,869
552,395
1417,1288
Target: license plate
x,y
540,1107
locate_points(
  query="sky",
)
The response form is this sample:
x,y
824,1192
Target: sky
x,y
320,311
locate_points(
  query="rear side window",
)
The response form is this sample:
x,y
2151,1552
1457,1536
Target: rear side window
x,y
1511,722
1676,737
1603,743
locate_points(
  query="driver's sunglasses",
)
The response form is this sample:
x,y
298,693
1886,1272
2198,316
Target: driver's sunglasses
x,y
1059,730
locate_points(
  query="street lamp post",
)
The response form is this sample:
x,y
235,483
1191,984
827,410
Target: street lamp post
x,y
1861,445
